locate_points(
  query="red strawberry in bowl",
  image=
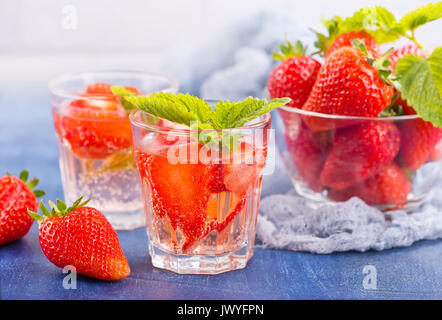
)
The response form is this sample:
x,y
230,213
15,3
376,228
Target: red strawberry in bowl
x,y
295,76
308,151
358,152
410,48
390,186
82,237
418,140
344,40
17,196
348,84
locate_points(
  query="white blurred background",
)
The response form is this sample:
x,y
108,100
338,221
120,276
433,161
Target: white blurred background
x,y
37,42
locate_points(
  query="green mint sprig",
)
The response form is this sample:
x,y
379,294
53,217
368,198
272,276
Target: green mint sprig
x,y
197,114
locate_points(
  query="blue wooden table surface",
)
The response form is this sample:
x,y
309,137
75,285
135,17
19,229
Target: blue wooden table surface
x,y
27,140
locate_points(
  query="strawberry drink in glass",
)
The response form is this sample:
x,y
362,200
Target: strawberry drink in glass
x,y
200,198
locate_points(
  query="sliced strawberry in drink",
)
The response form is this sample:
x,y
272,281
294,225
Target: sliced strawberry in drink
x,y
94,134
215,220
95,127
181,191
237,172
236,209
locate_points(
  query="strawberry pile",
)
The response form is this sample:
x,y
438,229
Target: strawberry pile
x,y
373,158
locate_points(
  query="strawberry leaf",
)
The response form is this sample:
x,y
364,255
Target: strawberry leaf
x,y
32,184
419,81
39,193
24,175
421,16
289,50
44,210
377,21
61,205
35,215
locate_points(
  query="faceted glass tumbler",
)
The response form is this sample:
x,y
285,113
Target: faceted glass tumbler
x,y
391,163
95,142
201,203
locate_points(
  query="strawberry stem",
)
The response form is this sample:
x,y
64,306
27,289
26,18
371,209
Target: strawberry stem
x,y
412,37
289,50
57,210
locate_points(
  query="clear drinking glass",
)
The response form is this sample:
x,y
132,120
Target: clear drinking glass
x,y
389,163
201,203
95,141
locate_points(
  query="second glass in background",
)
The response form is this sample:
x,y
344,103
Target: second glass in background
x,y
95,141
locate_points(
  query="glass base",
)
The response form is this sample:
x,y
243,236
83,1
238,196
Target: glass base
x,y
316,199
126,220
200,264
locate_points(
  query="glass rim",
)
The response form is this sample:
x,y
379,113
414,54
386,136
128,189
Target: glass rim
x,y
264,120
343,117
53,83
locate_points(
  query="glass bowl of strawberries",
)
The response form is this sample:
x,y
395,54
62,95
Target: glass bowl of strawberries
x,y
387,162
362,122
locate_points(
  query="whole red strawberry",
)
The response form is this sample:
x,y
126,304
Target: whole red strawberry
x,y
16,198
436,153
390,186
358,152
308,151
295,76
418,140
393,58
349,84
81,237
344,40
410,48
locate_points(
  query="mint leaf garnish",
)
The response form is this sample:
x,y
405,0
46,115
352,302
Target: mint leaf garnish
x,y
187,109
419,81
235,114
181,108
197,114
